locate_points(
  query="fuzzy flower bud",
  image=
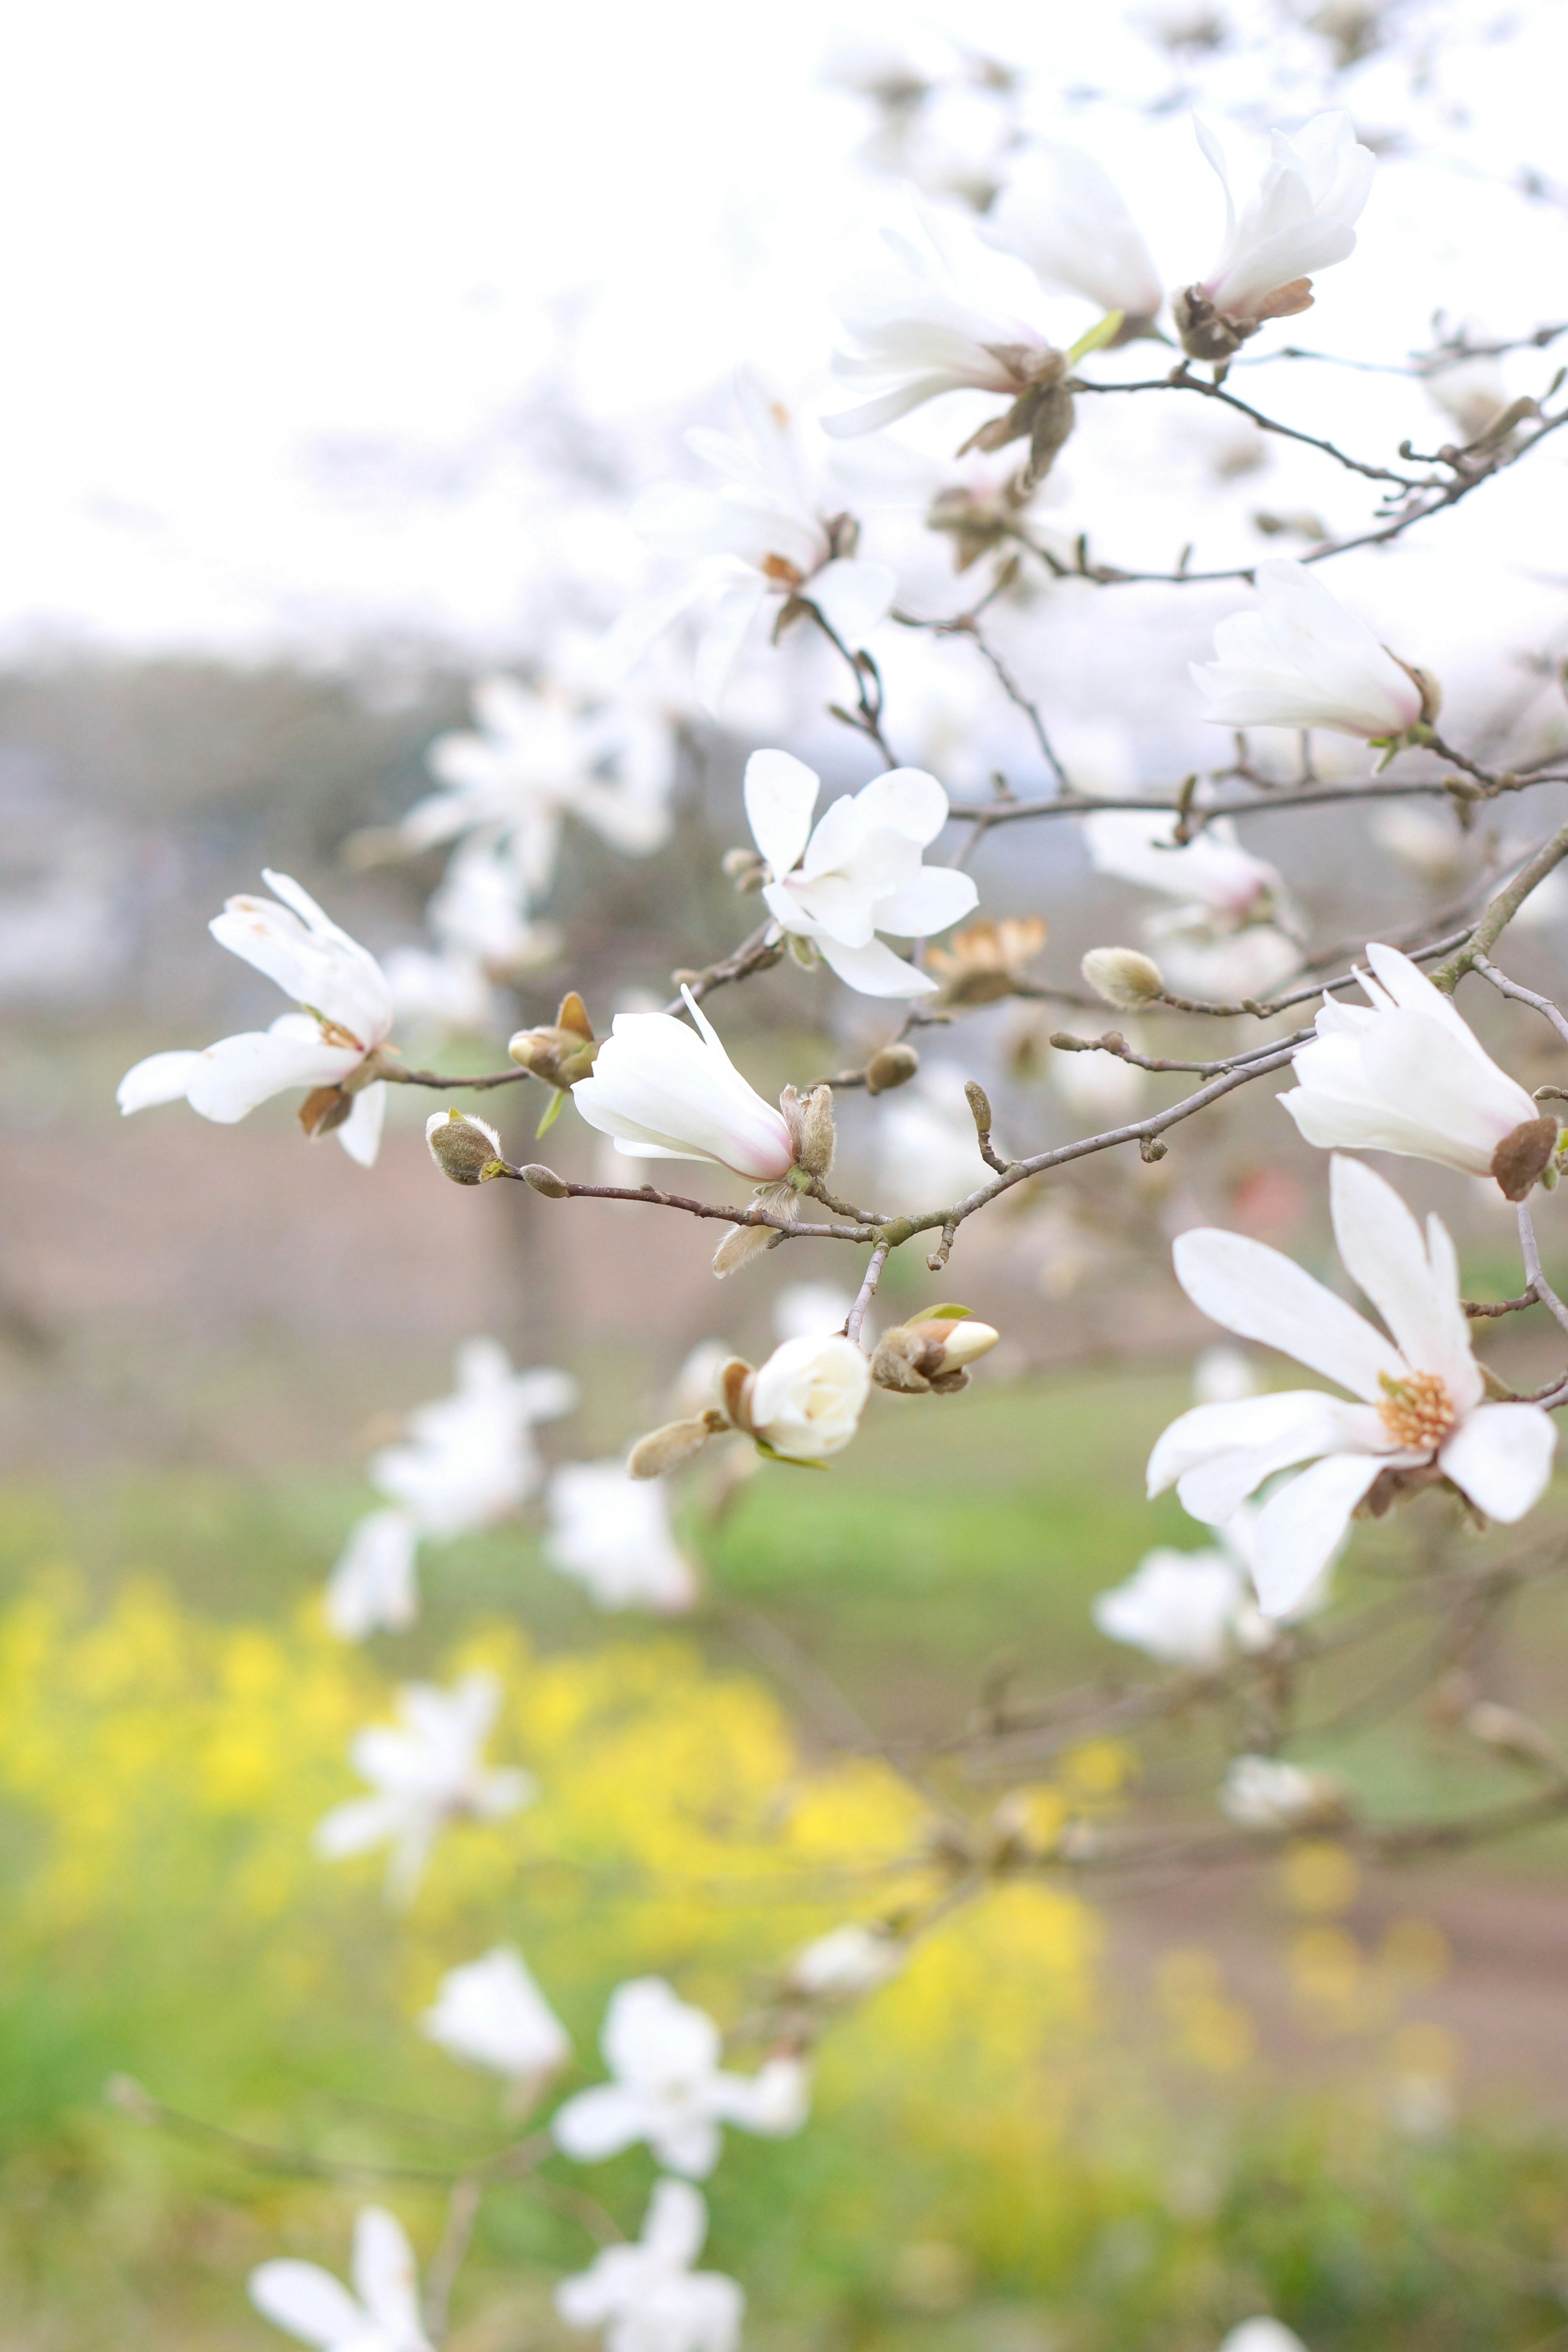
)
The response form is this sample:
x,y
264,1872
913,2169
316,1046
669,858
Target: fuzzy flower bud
x,y
744,869
562,1053
1123,977
545,1181
811,1122
671,1448
932,1352
464,1147
890,1067
979,1102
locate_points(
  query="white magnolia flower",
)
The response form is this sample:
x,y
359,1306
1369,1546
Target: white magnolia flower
x,y
479,913
847,1960
425,1773
1300,659
811,1310
1300,218
1062,214
669,2089
1260,1792
381,2316
611,1533
1179,1607
1420,1395
1432,846
1225,887
806,1401
491,2013
1262,2335
858,872
646,2297
753,544
535,759
953,315
1406,1075
328,1047
465,1462
666,1092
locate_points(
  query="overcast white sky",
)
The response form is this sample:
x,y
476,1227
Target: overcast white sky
x,y
277,278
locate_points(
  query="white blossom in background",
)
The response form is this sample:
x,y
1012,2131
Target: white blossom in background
x,y
848,1961
1178,1607
755,542
950,315
645,2296
1471,393
1100,1088
1300,218
1262,2335
1405,1073
664,1091
536,759
858,871
466,1461
381,2315
611,1533
1420,1397
328,1047
1432,846
1229,936
696,1384
926,1146
1261,1793
811,1310
668,2088
426,1773
1062,213
1221,1374
491,2012
1299,659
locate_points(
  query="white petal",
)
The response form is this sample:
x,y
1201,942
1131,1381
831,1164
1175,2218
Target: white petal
x,y
723,635
239,1073
161,1078
599,2123
1262,1295
852,596
385,2278
875,970
360,1133
904,800
363,1823
1502,1458
780,794
926,904
1300,1527
307,2301
373,1583
651,2035
1381,1244
691,2144
676,2223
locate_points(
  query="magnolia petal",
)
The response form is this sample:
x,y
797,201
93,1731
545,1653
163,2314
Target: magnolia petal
x,y
239,1073
722,637
676,2223
1260,1294
383,2274
874,970
307,2302
1500,1457
927,903
904,800
598,2123
360,1133
651,2035
372,1584
1381,1244
1300,1528
780,794
161,1078
691,2144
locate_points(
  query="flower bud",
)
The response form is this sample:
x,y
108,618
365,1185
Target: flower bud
x,y
670,1448
816,1138
1123,977
743,1243
562,1052
545,1181
463,1148
931,1352
890,1067
979,1102
1523,1156
744,869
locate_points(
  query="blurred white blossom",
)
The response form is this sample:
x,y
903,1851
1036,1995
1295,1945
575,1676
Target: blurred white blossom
x,y
846,1961
1262,2335
1221,1374
1061,211
1179,1607
611,1533
381,2315
491,2013
645,2296
1261,1793
810,1311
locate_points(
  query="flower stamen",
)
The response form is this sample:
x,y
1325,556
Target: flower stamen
x,y
1418,1411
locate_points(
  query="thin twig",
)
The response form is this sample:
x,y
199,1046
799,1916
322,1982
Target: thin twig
x,y
866,1292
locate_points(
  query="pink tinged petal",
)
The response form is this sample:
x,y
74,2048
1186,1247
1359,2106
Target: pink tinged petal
x,y
852,596
1381,1244
1301,1527
360,1133
926,904
723,635
676,2223
599,2123
385,2279
307,2302
874,970
1262,1295
1501,1456
780,794
161,1078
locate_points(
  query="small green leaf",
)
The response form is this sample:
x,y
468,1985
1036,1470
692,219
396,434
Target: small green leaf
x,y
552,1112
1097,336
795,1460
947,1313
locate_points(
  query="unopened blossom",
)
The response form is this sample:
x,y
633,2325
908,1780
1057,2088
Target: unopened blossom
x,y
1420,1414
1062,213
1300,218
465,1461
666,1091
806,1402
329,1047
427,1772
611,1534
758,543
1300,659
932,1351
1261,1793
381,2315
645,2296
491,2013
858,871
1405,1073
951,315
668,2088
848,1961
534,759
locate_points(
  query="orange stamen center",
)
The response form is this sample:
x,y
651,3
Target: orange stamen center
x,y
1417,1411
